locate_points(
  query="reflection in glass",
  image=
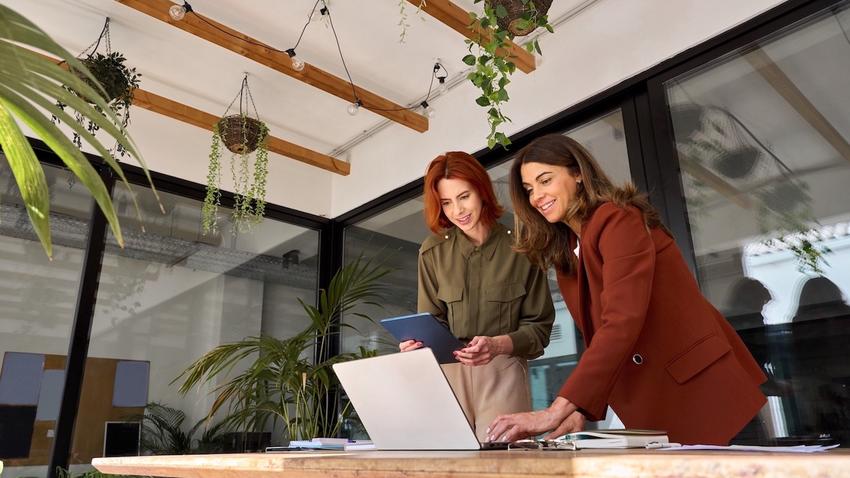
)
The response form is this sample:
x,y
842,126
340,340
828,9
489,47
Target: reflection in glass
x,y
171,295
762,140
37,304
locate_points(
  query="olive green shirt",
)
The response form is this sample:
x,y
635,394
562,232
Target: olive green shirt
x,y
486,290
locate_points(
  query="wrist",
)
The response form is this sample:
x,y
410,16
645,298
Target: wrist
x,y
504,345
561,407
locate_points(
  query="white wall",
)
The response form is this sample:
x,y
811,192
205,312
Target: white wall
x,y
607,43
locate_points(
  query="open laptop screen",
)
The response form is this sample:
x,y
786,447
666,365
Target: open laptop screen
x,y
406,403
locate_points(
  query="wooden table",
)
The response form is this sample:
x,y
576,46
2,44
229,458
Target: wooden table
x,y
491,464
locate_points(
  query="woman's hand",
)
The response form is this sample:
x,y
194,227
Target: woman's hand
x,y
558,418
409,345
481,349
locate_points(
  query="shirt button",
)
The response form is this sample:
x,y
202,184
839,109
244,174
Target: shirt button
x,y
446,236
637,359
509,231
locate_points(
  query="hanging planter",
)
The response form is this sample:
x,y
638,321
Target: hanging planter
x,y
738,163
242,135
116,79
520,16
491,72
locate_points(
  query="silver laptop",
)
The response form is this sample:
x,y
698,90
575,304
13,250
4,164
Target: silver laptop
x,y
406,403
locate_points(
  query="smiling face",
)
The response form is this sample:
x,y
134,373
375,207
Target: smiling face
x,y
461,204
550,189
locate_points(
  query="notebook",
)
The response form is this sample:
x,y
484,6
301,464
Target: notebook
x,y
428,330
617,438
406,403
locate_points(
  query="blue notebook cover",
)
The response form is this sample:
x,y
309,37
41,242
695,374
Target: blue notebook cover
x,y
428,330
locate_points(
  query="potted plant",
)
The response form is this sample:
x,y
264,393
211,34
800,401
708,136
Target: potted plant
x,y
501,21
30,80
112,76
162,433
283,383
242,135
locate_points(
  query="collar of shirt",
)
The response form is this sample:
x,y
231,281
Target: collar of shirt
x,y
488,249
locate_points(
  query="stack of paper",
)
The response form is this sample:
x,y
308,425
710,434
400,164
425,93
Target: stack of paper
x,y
331,444
619,438
781,449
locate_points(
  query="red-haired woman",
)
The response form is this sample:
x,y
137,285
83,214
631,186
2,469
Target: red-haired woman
x,y
657,351
488,295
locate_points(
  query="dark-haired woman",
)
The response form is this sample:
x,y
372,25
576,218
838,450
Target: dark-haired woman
x,y
657,351
488,295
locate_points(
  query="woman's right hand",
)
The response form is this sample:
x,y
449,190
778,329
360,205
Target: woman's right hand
x,y
409,345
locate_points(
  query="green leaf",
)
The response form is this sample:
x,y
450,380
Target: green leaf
x,y
537,47
502,95
28,174
501,11
469,60
482,101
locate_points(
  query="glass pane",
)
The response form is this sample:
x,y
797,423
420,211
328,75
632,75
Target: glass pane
x,y
395,236
37,303
762,139
605,140
171,295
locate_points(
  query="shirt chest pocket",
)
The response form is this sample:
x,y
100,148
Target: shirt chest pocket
x,y
453,298
502,308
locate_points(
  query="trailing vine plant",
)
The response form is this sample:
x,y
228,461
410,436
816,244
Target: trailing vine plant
x,y
242,135
492,71
117,79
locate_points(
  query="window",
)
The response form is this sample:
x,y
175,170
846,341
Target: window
x,y
762,140
37,304
171,295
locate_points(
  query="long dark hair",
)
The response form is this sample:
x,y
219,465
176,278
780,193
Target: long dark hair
x,y
546,243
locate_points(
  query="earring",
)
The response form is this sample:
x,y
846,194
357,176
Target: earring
x,y
578,180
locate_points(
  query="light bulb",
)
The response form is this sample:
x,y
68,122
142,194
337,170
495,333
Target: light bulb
x,y
427,110
177,12
442,87
353,108
297,64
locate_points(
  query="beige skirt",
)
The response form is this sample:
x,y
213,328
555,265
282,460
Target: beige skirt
x,y
487,391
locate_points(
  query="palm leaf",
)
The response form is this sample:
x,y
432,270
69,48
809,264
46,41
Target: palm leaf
x,y
28,174
27,79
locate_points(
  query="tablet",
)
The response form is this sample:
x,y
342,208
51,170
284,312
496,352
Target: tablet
x,y
426,329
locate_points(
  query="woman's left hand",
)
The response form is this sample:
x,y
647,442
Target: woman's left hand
x,y
482,349
558,418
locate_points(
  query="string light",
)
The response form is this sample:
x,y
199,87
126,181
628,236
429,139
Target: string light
x,y
427,109
353,108
297,63
178,12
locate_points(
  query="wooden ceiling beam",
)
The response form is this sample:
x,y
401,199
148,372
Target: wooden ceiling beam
x,y
457,19
786,88
202,119
266,55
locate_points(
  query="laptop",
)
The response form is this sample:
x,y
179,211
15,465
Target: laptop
x,y
406,403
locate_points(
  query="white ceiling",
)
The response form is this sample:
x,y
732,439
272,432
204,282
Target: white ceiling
x,y
196,72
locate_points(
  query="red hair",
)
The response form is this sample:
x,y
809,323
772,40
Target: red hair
x,y
458,165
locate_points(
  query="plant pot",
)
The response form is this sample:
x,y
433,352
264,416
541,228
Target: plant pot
x,y
737,163
784,197
240,134
687,119
516,8
110,72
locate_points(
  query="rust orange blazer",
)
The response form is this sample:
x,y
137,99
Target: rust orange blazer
x,y
657,351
